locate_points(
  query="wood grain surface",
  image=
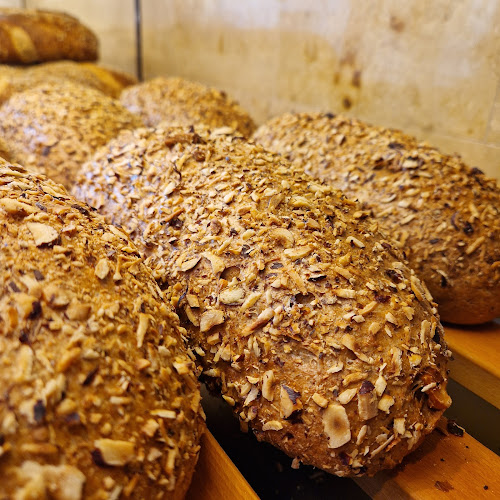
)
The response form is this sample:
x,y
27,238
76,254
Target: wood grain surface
x,y
475,359
444,467
216,477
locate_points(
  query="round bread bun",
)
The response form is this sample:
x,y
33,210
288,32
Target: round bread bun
x,y
108,81
55,127
301,313
28,36
442,214
3,150
99,396
181,102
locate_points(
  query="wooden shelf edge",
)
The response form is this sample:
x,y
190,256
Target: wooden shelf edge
x,y
444,467
475,359
216,477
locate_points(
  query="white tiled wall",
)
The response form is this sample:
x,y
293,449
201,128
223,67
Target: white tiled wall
x,y
430,68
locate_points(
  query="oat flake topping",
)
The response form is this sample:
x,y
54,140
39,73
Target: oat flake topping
x,y
299,311
80,394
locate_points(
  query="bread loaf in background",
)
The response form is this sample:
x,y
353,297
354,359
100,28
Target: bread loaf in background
x,y
19,78
99,397
442,214
55,127
177,101
301,313
29,36
3,150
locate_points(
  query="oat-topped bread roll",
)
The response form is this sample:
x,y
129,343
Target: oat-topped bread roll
x,y
182,102
28,36
317,334
108,81
444,215
55,127
3,150
99,395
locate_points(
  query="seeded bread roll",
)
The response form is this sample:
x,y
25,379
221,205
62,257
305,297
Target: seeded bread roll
x,y
317,334
182,102
444,215
55,127
18,79
99,395
28,36
3,150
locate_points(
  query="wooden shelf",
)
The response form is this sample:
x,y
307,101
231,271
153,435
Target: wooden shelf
x,y
475,365
216,477
447,467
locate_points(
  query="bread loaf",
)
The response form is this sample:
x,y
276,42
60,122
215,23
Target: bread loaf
x,y
3,150
108,81
99,397
28,36
181,102
54,128
443,215
298,309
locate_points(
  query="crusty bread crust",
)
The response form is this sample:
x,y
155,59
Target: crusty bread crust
x,y
299,310
55,127
98,393
4,150
444,215
182,102
20,78
28,36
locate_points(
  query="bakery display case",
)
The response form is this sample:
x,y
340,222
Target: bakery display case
x,y
338,332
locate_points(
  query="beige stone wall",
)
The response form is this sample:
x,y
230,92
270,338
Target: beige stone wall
x,y
431,68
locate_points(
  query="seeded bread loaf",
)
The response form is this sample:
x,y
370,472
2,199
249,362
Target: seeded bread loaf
x,y
18,79
316,333
443,215
55,127
181,102
28,36
99,396
3,150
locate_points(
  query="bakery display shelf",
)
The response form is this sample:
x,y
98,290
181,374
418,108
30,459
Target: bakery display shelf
x,y
445,466
216,477
475,358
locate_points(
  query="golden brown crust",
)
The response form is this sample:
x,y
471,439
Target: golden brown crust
x,y
28,36
55,127
112,79
317,334
98,394
181,102
3,150
18,79
444,215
